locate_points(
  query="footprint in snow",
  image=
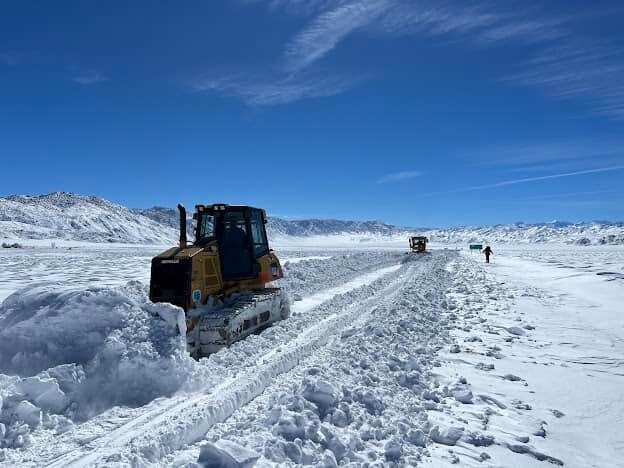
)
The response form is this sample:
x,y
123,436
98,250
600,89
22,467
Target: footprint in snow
x,y
541,432
518,404
516,331
521,448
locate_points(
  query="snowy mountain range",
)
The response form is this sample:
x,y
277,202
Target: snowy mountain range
x,y
278,227
69,216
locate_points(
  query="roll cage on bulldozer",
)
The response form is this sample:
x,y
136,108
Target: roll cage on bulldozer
x,y
240,234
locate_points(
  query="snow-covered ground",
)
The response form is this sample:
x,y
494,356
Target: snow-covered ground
x,y
540,344
75,265
388,359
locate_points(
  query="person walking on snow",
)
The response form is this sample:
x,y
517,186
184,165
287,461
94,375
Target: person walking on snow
x,y
487,251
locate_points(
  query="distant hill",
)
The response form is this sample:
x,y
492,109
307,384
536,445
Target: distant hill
x,y
589,233
69,216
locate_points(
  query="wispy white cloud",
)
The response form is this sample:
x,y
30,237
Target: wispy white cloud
x,y
582,198
297,7
9,59
526,180
558,60
87,78
553,196
545,177
433,19
294,78
479,25
328,29
565,65
399,177
265,91
560,156
523,31
590,71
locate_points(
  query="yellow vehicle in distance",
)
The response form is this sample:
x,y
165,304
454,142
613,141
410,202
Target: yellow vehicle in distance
x,y
418,244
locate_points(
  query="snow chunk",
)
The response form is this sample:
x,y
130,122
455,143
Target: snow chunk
x,y
372,403
226,454
329,460
45,393
68,376
322,393
172,315
448,436
463,395
27,412
339,418
417,437
336,445
291,427
392,450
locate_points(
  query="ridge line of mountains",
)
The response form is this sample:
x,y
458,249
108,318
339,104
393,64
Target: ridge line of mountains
x,y
70,216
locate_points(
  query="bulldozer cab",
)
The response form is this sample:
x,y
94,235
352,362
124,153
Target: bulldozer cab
x,y
418,243
239,234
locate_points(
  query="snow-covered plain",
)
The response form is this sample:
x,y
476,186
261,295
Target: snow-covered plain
x,y
388,359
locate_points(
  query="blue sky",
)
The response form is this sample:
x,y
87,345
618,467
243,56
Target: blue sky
x,y
413,112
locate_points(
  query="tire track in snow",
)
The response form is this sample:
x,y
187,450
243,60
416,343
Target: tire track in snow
x,y
317,299
186,419
393,334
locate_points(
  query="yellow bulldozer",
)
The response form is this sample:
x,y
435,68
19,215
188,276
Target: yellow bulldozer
x,y
418,244
220,280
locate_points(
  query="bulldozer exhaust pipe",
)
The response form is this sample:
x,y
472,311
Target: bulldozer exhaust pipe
x,y
182,211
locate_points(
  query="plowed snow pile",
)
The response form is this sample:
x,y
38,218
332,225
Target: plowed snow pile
x,y
73,353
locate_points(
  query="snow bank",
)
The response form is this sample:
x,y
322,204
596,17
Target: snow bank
x,y
73,353
309,276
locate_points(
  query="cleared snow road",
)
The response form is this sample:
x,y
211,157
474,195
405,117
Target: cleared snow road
x,y
355,399
166,426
